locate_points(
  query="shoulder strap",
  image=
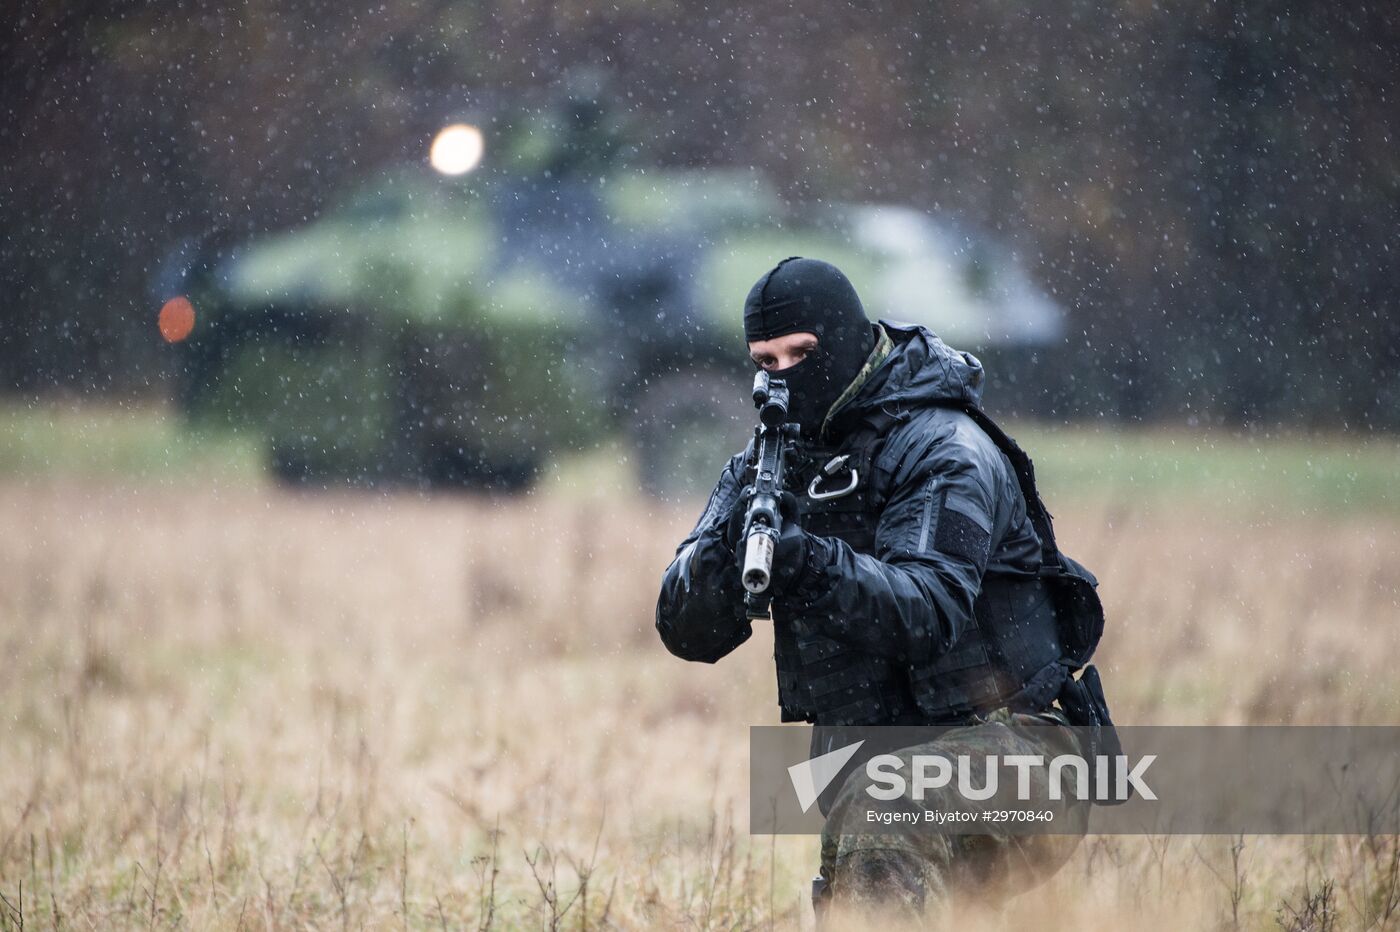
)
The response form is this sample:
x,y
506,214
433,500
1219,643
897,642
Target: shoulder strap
x,y
873,425
1025,478
865,433
865,440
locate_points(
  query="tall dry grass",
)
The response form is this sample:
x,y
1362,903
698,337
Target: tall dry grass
x,y
256,709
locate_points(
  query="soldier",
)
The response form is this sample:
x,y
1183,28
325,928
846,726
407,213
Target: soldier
x,y
908,581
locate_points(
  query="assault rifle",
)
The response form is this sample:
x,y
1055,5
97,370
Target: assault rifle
x,y
763,522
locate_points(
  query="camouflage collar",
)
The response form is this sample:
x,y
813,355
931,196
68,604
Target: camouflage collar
x,y
883,347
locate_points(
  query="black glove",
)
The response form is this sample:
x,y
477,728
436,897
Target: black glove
x,y
789,554
734,527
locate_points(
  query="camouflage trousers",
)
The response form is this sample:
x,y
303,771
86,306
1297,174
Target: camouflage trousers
x,y
922,875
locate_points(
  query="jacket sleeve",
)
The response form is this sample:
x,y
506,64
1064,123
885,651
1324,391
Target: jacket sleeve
x,y
913,599
700,612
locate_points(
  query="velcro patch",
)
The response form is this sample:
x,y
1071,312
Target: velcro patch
x,y
961,536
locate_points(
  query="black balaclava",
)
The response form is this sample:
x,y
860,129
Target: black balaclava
x,y
809,296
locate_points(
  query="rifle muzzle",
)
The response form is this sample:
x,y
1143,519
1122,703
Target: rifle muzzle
x,y
758,558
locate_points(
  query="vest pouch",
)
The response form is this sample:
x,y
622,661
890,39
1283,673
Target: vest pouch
x,y
1078,611
822,681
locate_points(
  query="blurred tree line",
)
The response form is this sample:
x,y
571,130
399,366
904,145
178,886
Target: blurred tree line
x,y
1212,189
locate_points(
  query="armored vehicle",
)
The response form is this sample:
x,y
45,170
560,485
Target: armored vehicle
x,y
463,330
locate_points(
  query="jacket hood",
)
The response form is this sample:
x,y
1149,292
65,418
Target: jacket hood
x,y
921,370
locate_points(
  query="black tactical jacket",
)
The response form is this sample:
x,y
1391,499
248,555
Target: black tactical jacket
x,y
890,590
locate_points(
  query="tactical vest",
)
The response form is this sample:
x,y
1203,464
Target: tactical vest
x,y
1024,640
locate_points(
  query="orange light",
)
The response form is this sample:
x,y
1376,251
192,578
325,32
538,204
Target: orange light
x,y
176,319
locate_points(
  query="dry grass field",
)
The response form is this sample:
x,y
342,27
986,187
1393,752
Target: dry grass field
x,y
234,706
